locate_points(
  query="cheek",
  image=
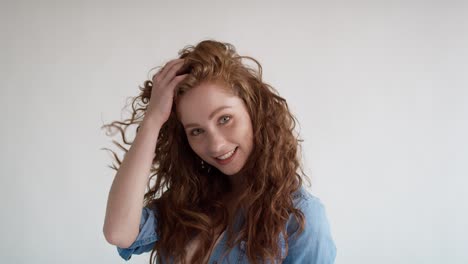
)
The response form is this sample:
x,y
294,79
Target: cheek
x,y
192,144
244,128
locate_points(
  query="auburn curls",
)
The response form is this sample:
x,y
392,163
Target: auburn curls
x,y
187,198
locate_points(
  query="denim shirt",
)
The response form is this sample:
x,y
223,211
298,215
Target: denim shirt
x,y
314,245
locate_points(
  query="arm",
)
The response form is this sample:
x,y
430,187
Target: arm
x,y
125,201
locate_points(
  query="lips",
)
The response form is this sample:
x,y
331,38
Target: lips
x,y
225,161
226,153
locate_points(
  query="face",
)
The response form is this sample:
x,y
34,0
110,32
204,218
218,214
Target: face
x,y
217,123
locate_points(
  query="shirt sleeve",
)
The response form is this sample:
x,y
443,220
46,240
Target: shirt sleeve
x,y
315,244
146,237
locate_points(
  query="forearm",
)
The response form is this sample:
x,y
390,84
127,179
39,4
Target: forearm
x,y
125,201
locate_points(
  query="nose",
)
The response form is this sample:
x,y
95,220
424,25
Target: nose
x,y
216,144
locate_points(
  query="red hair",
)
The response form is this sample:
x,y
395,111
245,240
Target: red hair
x,y
187,199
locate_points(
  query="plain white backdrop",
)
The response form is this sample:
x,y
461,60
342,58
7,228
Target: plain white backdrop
x,y
380,89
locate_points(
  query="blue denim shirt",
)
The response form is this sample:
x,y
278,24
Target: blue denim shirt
x,y
314,245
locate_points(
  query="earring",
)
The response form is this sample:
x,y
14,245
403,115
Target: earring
x,y
208,167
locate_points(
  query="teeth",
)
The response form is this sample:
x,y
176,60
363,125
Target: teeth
x,y
227,155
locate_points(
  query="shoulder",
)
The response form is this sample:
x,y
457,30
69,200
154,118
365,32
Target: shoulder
x,y
302,195
311,207
307,202
315,242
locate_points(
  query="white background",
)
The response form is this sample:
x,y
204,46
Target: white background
x,y
379,89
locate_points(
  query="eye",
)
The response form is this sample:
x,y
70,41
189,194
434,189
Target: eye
x,y
224,118
192,132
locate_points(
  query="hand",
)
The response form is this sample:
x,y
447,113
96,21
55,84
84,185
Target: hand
x,y
162,93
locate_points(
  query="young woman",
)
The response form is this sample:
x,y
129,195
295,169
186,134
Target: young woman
x,y
219,144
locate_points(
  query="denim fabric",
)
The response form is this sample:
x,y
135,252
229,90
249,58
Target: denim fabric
x,y
314,245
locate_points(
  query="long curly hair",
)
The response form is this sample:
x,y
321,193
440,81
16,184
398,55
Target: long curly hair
x,y
187,197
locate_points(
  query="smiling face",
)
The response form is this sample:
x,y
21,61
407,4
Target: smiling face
x,y
217,123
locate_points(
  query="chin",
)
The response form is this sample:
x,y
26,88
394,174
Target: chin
x,y
228,171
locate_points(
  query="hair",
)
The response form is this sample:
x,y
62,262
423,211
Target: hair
x,y
187,198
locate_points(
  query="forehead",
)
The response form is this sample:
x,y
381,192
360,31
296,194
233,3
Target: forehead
x,y
199,102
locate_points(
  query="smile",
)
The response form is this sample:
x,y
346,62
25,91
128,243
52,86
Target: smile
x,y
226,158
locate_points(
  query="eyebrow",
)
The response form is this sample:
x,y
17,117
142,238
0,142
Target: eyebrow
x,y
209,118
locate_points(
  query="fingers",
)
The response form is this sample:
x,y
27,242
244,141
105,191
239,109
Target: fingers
x,y
173,71
170,65
176,80
167,73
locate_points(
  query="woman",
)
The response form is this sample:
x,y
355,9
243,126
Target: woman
x,y
220,147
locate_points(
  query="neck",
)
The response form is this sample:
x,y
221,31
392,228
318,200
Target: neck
x,y
237,183
231,198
